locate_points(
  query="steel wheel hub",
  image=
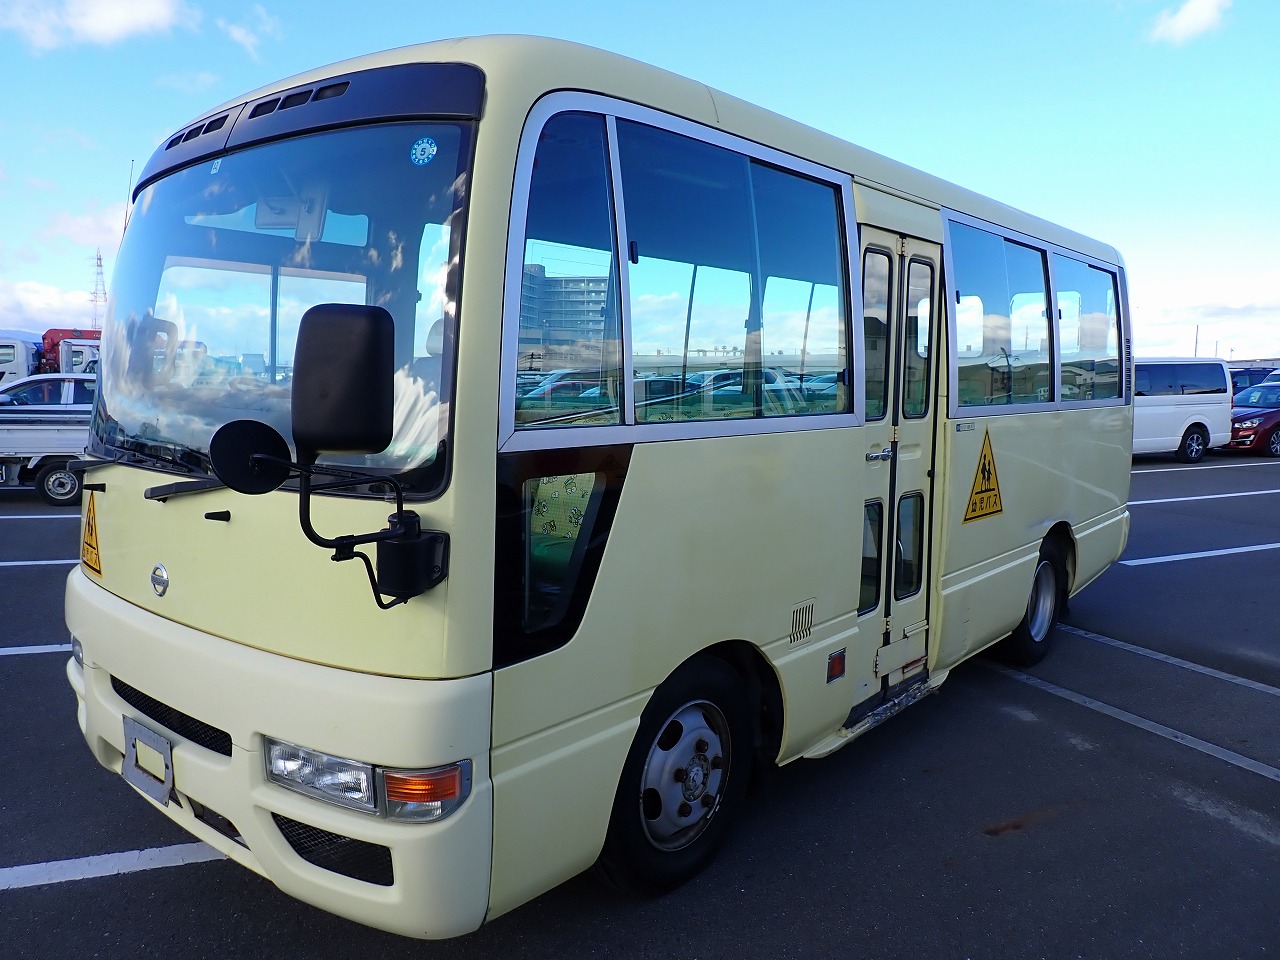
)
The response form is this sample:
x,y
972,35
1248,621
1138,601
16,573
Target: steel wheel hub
x,y
683,776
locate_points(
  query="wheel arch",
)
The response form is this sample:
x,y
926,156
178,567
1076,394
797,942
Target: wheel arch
x,y
763,689
1063,538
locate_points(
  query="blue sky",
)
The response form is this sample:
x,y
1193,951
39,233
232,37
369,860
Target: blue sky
x,y
1151,124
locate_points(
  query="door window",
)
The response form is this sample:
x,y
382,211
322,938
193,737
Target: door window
x,y
908,572
915,340
876,268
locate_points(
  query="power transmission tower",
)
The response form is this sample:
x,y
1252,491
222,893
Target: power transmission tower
x,y
99,295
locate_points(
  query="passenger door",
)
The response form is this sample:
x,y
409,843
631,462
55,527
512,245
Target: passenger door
x,y
900,282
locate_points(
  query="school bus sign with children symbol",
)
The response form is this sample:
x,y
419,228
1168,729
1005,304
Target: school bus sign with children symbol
x,y
984,495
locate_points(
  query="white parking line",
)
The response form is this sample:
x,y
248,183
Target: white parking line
x,y
1159,729
107,865
43,516
1173,661
1175,557
34,563
46,648
1210,496
1215,466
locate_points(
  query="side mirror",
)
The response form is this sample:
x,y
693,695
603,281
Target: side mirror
x,y
5,398
343,368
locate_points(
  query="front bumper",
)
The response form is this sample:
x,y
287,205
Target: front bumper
x,y
420,880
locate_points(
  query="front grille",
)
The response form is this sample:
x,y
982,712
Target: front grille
x,y
356,859
189,728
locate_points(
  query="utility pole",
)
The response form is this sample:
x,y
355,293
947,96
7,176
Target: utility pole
x,y
99,295
1196,350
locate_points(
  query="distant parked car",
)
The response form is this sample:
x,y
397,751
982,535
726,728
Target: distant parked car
x,y
1242,377
1255,420
53,393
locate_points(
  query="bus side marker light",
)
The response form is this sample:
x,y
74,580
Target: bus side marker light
x,y
835,665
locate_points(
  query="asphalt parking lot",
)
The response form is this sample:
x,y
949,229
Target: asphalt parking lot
x,y
1120,800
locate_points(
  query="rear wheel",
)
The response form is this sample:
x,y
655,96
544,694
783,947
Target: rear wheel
x,y
1030,640
684,780
1194,445
58,486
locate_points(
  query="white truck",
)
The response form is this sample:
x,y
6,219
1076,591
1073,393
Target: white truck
x,y
44,425
19,355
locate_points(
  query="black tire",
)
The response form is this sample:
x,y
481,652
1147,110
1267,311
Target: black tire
x,y
1194,445
1273,443
1031,639
58,486
693,743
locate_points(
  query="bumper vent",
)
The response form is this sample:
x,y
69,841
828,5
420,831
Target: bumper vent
x,y
212,818
189,728
356,859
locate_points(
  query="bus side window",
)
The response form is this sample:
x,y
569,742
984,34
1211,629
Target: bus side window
x,y
559,513
570,346
1089,331
735,270
1008,282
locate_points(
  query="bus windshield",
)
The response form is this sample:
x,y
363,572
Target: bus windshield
x,y
221,260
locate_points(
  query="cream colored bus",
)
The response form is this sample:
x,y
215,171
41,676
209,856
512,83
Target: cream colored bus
x,y
708,441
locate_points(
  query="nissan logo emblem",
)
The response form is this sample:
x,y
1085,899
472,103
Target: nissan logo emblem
x,y
159,579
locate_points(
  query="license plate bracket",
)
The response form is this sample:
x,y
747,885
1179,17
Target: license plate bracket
x,y
156,786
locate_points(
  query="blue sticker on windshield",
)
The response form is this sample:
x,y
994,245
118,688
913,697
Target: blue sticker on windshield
x,y
423,152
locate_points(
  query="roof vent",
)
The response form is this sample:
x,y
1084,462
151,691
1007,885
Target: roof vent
x,y
217,123
333,90
295,99
262,109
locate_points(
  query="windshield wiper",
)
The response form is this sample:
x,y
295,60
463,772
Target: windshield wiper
x,y
186,459
173,455
165,491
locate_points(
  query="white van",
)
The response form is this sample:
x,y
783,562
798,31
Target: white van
x,y
1181,405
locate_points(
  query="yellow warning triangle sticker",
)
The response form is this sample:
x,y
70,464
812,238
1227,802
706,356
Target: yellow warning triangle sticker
x,y
984,495
89,555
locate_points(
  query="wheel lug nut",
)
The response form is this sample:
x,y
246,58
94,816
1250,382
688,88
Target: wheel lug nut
x,y
702,746
684,810
717,762
681,774
708,800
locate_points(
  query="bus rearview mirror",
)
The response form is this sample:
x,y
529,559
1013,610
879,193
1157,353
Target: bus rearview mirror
x,y
343,367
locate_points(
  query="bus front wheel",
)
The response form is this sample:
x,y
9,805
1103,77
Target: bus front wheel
x,y
684,780
1029,642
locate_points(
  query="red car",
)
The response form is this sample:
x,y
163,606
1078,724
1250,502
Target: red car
x,y
1255,419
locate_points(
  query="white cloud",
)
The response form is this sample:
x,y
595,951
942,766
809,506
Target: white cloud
x,y
1189,21
46,26
29,305
97,229
250,35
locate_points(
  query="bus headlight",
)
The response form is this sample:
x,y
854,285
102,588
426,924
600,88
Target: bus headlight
x,y
419,796
320,775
